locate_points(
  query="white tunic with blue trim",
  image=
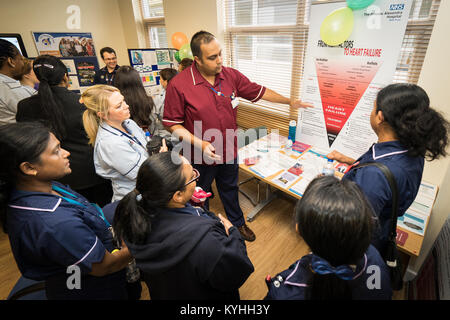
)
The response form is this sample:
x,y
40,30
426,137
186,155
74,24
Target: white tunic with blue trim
x,y
118,156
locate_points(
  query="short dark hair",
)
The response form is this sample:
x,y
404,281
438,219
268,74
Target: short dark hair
x,y
201,37
107,49
168,73
7,50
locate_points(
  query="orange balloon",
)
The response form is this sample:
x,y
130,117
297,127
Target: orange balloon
x,y
178,40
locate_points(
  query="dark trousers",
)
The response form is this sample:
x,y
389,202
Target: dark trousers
x,y
226,176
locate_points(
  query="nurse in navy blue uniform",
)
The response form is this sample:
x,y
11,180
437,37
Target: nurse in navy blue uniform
x,y
183,252
335,220
408,131
50,226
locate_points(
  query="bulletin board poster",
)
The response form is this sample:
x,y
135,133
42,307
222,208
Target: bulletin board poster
x,y
342,81
76,51
148,62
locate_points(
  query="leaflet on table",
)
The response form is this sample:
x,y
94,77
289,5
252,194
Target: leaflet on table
x,y
308,166
265,168
272,163
314,160
300,187
273,140
300,147
416,217
427,194
256,148
285,179
413,221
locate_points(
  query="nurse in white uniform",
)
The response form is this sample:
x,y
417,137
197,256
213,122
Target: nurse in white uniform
x,y
119,143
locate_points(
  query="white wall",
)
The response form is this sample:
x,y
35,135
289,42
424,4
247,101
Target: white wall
x,y
99,17
435,79
191,16
133,28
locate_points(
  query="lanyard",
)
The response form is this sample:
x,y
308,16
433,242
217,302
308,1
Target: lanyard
x,y
133,138
75,202
109,80
219,93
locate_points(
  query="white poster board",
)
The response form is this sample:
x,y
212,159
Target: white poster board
x,y
342,81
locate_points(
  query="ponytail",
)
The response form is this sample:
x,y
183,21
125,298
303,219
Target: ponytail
x,y
433,128
157,181
95,99
91,123
421,129
52,109
131,221
50,72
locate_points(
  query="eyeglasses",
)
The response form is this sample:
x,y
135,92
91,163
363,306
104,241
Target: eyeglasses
x,y
195,178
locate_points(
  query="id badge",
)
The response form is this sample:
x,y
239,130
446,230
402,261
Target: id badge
x,y
234,103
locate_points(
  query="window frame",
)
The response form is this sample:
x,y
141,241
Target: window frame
x,y
417,26
149,23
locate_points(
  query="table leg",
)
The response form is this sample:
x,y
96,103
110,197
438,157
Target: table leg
x,y
269,197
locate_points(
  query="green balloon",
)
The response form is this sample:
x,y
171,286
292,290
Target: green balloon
x,y
337,26
177,56
185,52
359,4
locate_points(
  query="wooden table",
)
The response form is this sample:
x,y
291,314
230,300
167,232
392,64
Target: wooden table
x,y
410,246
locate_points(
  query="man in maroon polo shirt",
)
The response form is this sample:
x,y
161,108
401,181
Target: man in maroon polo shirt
x,y
200,108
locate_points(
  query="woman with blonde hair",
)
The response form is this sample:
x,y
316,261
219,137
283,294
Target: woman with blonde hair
x,y
119,143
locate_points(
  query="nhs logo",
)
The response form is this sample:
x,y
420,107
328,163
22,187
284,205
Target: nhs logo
x,y
393,7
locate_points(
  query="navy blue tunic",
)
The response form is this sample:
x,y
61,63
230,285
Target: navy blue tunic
x,y
294,283
49,233
408,175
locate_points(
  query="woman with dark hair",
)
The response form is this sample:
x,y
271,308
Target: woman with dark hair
x,y
183,252
59,109
335,220
55,233
408,131
128,81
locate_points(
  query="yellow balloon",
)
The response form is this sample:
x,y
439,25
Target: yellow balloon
x,y
337,26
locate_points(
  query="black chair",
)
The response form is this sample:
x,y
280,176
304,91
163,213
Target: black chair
x,y
247,138
27,289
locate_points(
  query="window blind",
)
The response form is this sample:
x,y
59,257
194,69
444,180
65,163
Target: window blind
x,y
152,12
266,40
